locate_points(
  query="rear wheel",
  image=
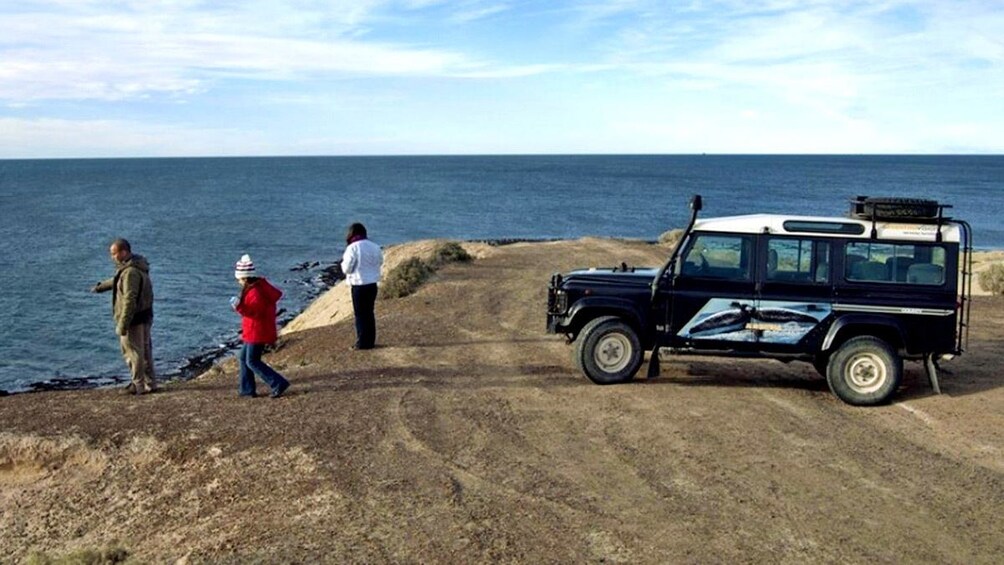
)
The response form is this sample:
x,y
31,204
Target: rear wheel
x,y
608,351
864,371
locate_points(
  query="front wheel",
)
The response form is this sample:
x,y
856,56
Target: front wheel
x,y
608,351
864,371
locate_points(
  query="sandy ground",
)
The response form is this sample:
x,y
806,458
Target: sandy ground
x,y
467,436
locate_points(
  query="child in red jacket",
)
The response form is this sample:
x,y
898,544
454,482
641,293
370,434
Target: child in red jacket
x,y
256,305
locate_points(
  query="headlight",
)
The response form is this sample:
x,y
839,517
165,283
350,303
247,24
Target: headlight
x,y
559,302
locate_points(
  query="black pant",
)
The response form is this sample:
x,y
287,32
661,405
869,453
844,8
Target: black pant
x,y
363,301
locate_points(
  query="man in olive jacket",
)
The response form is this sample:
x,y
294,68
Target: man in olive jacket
x,y
132,306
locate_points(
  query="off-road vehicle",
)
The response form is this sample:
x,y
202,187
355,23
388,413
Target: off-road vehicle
x,y
854,296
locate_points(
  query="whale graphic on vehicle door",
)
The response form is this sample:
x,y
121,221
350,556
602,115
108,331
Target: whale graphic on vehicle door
x,y
725,319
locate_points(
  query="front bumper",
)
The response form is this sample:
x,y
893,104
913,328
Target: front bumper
x,y
556,323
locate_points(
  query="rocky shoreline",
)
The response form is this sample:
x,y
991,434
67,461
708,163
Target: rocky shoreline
x,y
319,276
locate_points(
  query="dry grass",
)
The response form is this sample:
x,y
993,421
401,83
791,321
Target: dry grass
x,y
992,279
110,556
671,237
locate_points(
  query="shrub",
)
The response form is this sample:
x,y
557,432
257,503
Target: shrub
x,y
450,252
670,237
992,279
405,278
408,276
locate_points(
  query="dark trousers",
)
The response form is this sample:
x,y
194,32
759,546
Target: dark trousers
x,y
251,365
363,303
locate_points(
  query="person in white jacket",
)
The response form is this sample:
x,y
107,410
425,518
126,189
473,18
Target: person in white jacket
x,y
361,264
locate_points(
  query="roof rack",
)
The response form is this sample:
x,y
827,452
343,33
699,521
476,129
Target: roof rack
x,y
911,210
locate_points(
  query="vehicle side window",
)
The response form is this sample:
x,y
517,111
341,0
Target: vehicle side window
x,y
718,257
798,260
895,263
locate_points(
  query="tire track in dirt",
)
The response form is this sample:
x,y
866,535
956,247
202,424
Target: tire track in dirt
x,y
467,480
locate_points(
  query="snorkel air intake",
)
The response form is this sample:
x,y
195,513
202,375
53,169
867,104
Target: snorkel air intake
x,y
695,206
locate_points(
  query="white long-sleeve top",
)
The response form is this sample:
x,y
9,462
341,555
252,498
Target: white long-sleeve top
x,y
361,263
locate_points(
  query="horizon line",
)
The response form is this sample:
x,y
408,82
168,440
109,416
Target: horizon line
x,y
435,155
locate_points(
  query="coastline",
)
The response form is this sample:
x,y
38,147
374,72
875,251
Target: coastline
x,y
327,307
322,278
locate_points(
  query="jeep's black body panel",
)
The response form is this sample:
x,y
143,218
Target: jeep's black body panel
x,y
598,292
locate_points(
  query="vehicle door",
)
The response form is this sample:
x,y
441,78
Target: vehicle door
x,y
910,282
713,293
793,293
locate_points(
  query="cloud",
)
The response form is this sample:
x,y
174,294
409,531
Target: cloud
x,y
132,50
473,13
516,71
794,75
835,57
22,138
49,137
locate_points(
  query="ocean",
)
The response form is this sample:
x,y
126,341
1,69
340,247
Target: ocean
x,y
194,217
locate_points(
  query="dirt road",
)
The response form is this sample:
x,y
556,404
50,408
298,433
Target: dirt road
x,y
469,437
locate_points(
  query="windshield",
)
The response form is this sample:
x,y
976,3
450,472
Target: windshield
x,y
718,256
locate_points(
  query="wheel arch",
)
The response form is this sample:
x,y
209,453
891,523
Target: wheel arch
x,y
586,310
844,328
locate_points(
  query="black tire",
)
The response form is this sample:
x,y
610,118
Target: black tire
x,y
864,371
898,208
608,351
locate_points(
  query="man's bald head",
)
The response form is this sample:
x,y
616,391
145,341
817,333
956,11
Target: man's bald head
x,y
120,250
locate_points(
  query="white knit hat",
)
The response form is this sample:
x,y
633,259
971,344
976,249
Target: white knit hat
x,y
245,268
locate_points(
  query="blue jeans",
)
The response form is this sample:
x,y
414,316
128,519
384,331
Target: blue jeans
x,y
251,364
363,302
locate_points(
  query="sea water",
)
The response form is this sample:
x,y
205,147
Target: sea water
x,y
193,218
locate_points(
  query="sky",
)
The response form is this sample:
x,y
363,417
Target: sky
x,y
139,78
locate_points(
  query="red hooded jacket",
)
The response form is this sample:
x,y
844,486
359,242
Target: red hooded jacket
x,y
257,310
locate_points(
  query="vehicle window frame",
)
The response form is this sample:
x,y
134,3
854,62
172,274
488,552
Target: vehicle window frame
x,y
814,253
747,244
891,279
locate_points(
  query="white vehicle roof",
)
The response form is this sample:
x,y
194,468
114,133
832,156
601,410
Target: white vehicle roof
x,y
805,225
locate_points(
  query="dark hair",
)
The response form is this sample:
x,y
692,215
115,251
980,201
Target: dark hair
x,y
122,244
247,287
355,230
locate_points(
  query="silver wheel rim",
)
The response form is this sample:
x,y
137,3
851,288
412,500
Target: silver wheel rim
x,y
612,353
866,373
